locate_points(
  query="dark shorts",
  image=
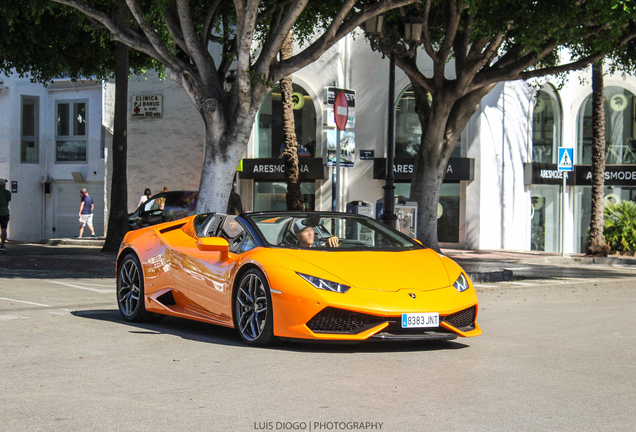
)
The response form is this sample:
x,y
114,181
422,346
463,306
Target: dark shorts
x,y
4,221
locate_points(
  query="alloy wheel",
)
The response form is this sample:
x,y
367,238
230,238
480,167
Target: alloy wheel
x,y
251,307
128,291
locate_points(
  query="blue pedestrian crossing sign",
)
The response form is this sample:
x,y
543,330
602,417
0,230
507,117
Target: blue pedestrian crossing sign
x,y
566,157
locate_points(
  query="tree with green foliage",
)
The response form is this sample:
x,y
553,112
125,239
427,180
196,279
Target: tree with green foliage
x,y
182,35
474,45
46,41
621,59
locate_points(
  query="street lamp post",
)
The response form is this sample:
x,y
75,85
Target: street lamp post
x,y
392,45
388,213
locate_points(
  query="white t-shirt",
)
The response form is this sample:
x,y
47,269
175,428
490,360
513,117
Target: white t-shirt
x,y
142,200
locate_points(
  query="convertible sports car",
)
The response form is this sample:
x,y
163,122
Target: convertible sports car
x,y
295,275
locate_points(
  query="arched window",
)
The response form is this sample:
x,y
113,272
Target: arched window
x,y
408,131
620,146
269,125
546,126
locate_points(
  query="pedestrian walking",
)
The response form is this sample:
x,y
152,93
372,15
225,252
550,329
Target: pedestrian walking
x,y
86,213
145,197
5,197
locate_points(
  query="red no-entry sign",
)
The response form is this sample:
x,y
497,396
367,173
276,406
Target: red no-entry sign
x,y
341,111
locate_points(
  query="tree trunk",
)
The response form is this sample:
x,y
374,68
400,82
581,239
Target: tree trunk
x,y
432,157
294,195
224,148
118,213
596,241
426,184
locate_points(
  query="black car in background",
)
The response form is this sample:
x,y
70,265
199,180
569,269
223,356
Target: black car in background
x,y
164,207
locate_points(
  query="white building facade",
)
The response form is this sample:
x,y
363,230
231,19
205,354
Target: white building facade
x,y
502,189
51,146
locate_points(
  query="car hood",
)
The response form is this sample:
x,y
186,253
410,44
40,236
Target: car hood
x,y
420,269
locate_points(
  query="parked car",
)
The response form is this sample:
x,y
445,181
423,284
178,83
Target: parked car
x,y
163,207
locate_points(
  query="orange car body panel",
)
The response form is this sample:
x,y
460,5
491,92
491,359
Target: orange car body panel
x,y
201,282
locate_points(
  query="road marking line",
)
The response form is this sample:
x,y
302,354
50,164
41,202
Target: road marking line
x,y
22,301
12,317
106,286
100,291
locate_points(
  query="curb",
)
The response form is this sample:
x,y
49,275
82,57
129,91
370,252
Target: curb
x,y
89,241
580,261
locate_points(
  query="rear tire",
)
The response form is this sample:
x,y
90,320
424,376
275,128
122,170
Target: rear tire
x,y
130,291
252,306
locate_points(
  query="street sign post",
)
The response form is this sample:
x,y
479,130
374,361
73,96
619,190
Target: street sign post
x,y
566,155
341,116
566,164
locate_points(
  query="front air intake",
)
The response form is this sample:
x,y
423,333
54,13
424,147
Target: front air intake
x,y
333,320
462,320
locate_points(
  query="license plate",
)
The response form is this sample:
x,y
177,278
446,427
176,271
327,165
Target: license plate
x,y
414,320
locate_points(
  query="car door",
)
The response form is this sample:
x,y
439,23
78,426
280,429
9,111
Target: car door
x,y
151,212
204,278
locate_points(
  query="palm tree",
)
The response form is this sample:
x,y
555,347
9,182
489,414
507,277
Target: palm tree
x,y
596,241
294,196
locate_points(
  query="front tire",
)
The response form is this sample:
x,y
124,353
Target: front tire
x,y
253,314
130,290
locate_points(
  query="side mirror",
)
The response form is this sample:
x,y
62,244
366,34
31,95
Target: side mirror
x,y
214,244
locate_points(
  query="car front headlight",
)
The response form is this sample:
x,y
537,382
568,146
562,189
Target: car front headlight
x,y
461,284
324,284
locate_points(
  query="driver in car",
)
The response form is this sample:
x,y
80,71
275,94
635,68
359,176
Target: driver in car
x,y
304,232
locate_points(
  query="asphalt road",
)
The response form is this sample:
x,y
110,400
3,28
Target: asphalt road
x,y
556,355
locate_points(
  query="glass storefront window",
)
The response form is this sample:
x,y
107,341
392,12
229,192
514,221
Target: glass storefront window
x,y
270,196
544,213
546,127
269,125
620,128
583,207
408,131
448,210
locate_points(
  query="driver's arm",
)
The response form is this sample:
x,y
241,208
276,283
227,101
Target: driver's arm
x,y
333,241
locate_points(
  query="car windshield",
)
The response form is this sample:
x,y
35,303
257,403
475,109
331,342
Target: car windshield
x,y
333,231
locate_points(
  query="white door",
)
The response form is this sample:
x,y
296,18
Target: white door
x,y
68,202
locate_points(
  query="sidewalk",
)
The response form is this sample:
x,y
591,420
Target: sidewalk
x,y
73,256
498,265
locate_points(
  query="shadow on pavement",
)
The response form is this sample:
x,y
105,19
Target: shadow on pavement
x,y
210,333
35,261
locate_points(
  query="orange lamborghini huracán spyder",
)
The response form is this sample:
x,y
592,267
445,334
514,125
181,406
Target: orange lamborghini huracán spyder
x,y
295,275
